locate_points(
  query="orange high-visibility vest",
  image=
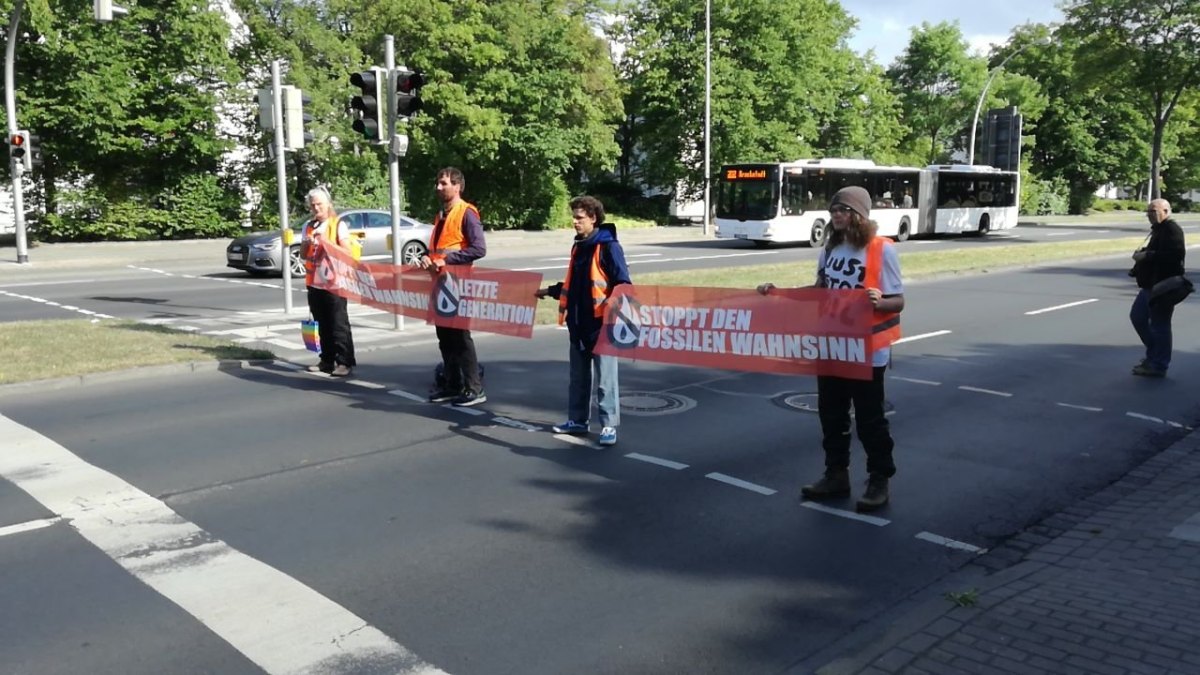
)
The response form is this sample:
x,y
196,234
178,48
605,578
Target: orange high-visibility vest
x,y
448,231
886,327
599,286
310,250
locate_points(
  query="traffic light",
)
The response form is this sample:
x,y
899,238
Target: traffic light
x,y
406,92
295,119
266,110
24,147
368,104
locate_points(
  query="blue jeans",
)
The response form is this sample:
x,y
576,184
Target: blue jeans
x,y
1153,326
579,396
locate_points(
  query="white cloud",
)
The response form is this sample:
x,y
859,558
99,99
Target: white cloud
x,y
981,45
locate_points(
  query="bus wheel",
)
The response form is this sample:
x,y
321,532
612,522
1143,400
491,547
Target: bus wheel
x,y
762,243
902,235
819,234
985,225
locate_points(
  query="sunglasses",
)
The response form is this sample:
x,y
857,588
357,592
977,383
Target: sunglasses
x,y
840,208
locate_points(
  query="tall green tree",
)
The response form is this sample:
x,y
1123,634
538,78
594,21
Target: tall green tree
x,y
1151,47
784,85
938,82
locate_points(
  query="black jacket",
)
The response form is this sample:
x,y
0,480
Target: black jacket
x,y
1164,254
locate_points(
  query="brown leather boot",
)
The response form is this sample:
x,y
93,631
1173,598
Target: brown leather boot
x,y
835,483
876,495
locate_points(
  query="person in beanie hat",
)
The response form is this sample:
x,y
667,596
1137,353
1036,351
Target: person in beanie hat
x,y
852,246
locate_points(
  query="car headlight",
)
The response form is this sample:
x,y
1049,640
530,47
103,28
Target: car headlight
x,y
267,246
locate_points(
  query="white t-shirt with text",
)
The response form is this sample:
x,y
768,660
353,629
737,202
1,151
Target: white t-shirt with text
x,y
846,267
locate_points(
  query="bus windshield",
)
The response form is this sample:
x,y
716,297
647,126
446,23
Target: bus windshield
x,y
748,193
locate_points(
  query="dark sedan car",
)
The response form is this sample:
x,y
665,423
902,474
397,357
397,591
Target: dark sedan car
x,y
260,253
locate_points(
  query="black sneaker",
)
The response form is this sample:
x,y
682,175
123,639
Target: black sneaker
x,y
470,398
443,395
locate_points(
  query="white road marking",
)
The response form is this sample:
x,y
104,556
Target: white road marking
x,y
1058,307
738,482
516,424
404,394
366,385
949,543
1080,407
1061,234
922,336
576,440
462,409
51,303
656,460
277,622
28,526
990,392
916,381
217,279
1148,418
841,513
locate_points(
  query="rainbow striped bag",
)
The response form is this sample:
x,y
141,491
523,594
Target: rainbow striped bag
x,y
308,332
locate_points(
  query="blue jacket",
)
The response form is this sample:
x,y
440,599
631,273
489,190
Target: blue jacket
x,y
582,324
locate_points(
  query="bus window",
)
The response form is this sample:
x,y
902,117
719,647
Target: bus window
x,y
794,198
747,199
817,195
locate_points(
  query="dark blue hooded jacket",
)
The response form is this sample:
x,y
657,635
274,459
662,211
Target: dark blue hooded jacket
x,y
582,324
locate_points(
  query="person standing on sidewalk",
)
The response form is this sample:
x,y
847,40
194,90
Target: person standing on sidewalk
x,y
597,267
856,257
1161,258
457,239
329,309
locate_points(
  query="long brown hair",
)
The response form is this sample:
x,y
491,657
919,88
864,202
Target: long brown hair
x,y
860,232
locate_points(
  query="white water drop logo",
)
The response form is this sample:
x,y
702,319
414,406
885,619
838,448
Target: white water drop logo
x,y
447,296
624,326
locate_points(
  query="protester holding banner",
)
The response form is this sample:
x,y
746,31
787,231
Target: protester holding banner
x,y
457,239
329,309
855,257
597,267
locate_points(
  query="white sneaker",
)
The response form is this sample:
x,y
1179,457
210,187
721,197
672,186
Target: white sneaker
x,y
608,436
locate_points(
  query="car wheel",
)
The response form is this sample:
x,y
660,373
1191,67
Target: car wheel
x,y
985,225
902,235
412,252
296,263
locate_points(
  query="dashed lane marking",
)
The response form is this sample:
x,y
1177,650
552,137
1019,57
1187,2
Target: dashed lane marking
x,y
51,303
949,543
989,392
1080,407
277,622
916,381
576,440
657,460
1058,307
850,515
516,424
404,394
922,336
738,482
28,526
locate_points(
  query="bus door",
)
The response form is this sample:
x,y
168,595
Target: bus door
x,y
927,202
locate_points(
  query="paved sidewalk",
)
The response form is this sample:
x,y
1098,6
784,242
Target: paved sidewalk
x,y
1110,586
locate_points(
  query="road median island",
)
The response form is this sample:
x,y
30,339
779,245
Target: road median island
x,y
47,350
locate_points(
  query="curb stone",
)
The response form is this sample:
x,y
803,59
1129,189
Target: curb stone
x,y
140,372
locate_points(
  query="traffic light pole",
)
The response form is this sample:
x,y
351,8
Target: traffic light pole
x,y
10,103
285,251
393,160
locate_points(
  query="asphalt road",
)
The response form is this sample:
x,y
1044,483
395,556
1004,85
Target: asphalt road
x,y
482,543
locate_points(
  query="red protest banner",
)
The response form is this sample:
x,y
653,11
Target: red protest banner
x,y
460,296
801,331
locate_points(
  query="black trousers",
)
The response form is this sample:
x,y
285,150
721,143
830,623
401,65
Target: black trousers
x,y
835,395
333,325
458,356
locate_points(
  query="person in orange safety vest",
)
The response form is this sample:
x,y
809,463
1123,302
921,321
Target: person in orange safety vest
x,y
329,309
597,266
856,257
457,239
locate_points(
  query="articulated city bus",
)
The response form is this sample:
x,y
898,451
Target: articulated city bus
x,y
789,201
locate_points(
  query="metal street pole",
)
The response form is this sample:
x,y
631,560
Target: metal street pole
x,y
393,160
10,103
982,94
285,251
707,115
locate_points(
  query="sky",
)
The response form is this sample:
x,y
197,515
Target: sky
x,y
885,25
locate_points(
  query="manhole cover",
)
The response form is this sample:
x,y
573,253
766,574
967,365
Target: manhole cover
x,y
648,404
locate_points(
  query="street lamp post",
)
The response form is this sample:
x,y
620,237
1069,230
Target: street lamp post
x,y
983,94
